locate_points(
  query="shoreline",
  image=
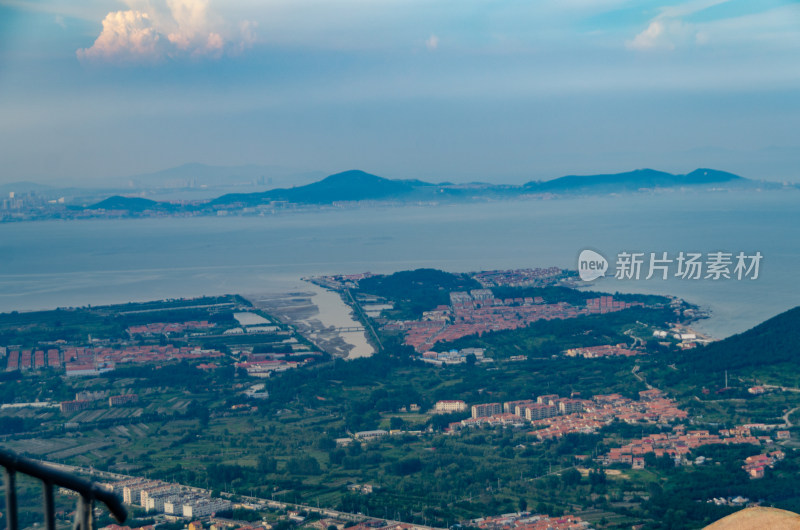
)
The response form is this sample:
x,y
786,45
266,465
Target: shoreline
x,y
318,314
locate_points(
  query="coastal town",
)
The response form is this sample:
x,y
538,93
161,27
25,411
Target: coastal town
x,y
156,343
476,312
553,417
192,404
399,265
479,312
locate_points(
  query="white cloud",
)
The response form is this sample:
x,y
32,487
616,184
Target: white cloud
x,y
152,30
193,32
432,43
667,31
663,34
127,36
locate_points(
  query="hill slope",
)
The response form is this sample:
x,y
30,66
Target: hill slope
x,y
774,341
353,185
632,181
131,204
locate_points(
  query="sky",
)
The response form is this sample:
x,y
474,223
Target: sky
x,y
491,90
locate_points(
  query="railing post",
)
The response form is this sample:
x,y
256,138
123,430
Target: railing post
x,y
84,514
11,498
49,506
50,478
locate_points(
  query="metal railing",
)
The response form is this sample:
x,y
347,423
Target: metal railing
x,y
87,492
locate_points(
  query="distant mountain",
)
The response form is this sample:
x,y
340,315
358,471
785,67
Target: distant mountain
x,y
353,185
356,185
633,181
132,204
774,341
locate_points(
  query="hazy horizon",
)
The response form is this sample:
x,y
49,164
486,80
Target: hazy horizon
x,y
278,177
498,92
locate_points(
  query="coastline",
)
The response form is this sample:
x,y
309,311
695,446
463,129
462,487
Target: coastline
x,y
320,315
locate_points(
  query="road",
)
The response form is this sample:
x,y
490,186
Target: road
x,y
782,388
788,423
635,372
324,512
364,318
636,340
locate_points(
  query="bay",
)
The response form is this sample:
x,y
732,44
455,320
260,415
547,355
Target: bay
x,y
52,264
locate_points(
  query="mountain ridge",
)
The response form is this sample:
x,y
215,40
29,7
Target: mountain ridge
x,y
355,185
350,185
633,180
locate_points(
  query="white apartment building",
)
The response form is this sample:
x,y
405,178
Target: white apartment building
x,y
448,406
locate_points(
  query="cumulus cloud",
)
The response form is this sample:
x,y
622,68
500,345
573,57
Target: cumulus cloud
x,y
432,43
668,31
193,32
150,31
126,35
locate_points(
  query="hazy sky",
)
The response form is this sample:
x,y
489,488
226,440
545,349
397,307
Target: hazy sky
x,y
435,89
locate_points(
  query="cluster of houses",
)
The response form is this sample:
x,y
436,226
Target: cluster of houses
x,y
86,400
677,445
340,282
89,361
168,498
79,361
601,410
738,500
754,466
383,525
686,339
554,416
32,359
214,523
530,521
478,311
179,502
519,277
266,368
165,328
606,350
454,356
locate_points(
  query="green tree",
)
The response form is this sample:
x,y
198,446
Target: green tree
x,y
266,464
571,477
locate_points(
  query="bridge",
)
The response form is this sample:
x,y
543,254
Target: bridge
x,y
351,328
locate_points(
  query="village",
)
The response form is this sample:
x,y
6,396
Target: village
x,y
554,417
478,312
155,343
